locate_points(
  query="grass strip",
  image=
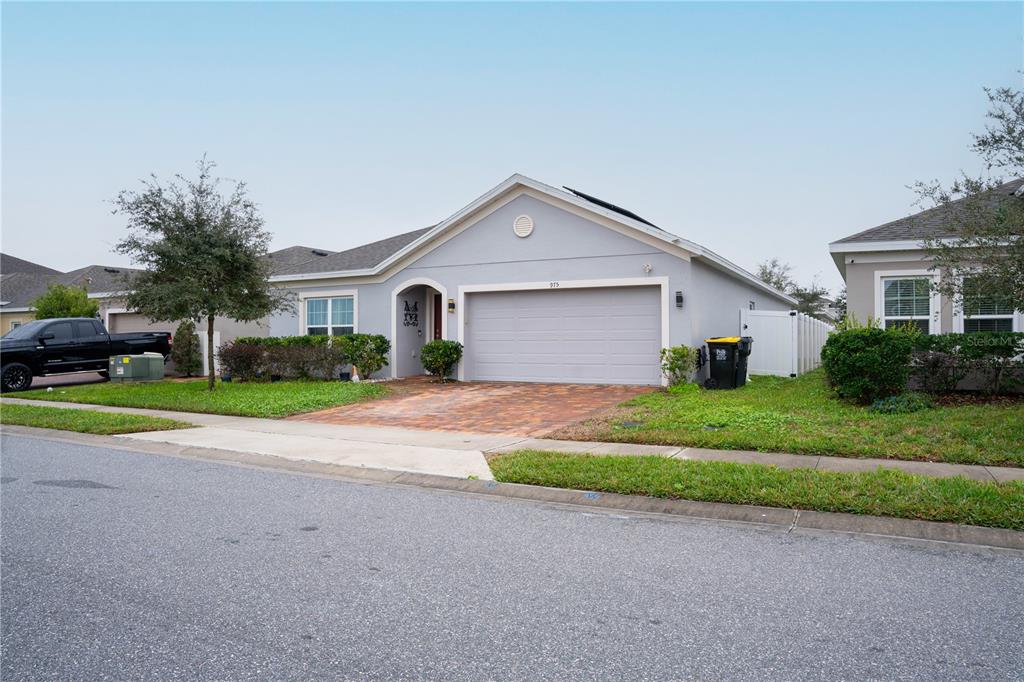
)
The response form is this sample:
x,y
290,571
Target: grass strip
x,y
278,399
84,421
883,492
801,415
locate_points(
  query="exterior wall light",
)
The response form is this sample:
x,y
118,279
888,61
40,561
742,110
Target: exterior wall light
x,y
679,299
451,305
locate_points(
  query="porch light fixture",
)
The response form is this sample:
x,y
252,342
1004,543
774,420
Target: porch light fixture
x,y
679,299
451,305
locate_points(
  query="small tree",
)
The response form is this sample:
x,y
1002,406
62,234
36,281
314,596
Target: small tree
x,y
204,252
186,352
64,301
988,222
810,300
776,273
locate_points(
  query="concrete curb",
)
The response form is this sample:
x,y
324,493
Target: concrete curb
x,y
784,520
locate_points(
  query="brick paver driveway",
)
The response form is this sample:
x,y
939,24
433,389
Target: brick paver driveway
x,y
484,407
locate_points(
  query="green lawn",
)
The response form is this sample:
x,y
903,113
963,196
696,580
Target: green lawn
x,y
773,414
84,421
884,492
278,399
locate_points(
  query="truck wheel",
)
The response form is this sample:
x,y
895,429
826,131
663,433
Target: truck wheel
x,y
15,377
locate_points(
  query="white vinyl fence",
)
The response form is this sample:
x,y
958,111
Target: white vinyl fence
x,y
786,343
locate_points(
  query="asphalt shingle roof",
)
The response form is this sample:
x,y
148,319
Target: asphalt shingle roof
x,y
359,258
10,264
293,257
19,289
930,223
98,278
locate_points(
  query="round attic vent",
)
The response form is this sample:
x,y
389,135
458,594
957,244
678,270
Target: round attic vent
x,y
523,226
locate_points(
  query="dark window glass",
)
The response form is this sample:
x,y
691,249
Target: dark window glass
x,y
998,324
85,330
61,332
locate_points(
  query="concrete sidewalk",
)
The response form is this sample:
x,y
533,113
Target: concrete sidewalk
x,y
462,454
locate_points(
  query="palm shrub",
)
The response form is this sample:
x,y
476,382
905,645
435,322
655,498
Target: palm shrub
x,y
185,351
440,356
868,363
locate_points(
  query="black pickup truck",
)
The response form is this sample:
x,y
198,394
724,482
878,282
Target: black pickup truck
x,y
66,345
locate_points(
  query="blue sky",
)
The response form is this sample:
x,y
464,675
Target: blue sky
x,y
758,130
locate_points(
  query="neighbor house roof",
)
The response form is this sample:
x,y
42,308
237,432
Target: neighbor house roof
x,y
99,279
375,258
10,264
19,289
362,257
932,223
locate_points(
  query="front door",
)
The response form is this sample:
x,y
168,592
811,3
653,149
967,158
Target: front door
x,y
437,316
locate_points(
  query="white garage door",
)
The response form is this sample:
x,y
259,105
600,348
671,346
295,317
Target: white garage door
x,y
609,335
121,323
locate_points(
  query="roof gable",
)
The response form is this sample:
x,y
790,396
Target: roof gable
x,y
932,223
420,242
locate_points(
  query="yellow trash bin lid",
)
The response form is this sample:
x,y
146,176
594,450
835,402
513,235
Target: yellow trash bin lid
x,y
723,339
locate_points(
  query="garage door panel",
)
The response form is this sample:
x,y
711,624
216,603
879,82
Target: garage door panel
x,y
601,335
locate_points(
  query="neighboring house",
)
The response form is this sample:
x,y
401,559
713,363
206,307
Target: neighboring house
x,y
21,281
538,283
105,284
888,276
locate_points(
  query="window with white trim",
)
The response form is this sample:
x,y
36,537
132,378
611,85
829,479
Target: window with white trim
x,y
330,316
15,324
907,300
985,311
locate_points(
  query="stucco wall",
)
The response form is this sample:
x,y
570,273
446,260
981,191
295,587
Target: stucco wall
x,y
860,287
7,318
564,246
717,298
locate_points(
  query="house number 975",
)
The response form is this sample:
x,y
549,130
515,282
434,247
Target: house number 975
x,y
553,285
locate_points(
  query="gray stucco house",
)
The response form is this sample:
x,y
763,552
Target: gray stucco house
x,y
538,283
888,275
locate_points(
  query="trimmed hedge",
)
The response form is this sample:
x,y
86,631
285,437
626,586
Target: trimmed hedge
x,y
440,356
255,358
868,363
942,361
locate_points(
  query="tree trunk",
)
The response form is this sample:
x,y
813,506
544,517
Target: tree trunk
x,y
211,381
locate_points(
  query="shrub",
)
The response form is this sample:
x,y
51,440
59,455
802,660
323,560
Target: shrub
x,y
60,300
868,363
440,356
996,356
186,352
902,404
678,364
306,340
943,360
368,353
241,360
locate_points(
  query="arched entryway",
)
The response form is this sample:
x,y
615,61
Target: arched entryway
x,y
418,315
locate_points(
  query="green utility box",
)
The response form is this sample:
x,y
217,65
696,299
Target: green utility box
x,y
145,367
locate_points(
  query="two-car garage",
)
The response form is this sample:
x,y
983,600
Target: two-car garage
x,y
607,335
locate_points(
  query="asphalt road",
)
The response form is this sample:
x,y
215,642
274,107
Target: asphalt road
x,y
120,565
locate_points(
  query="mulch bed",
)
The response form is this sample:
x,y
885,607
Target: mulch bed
x,y
964,399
